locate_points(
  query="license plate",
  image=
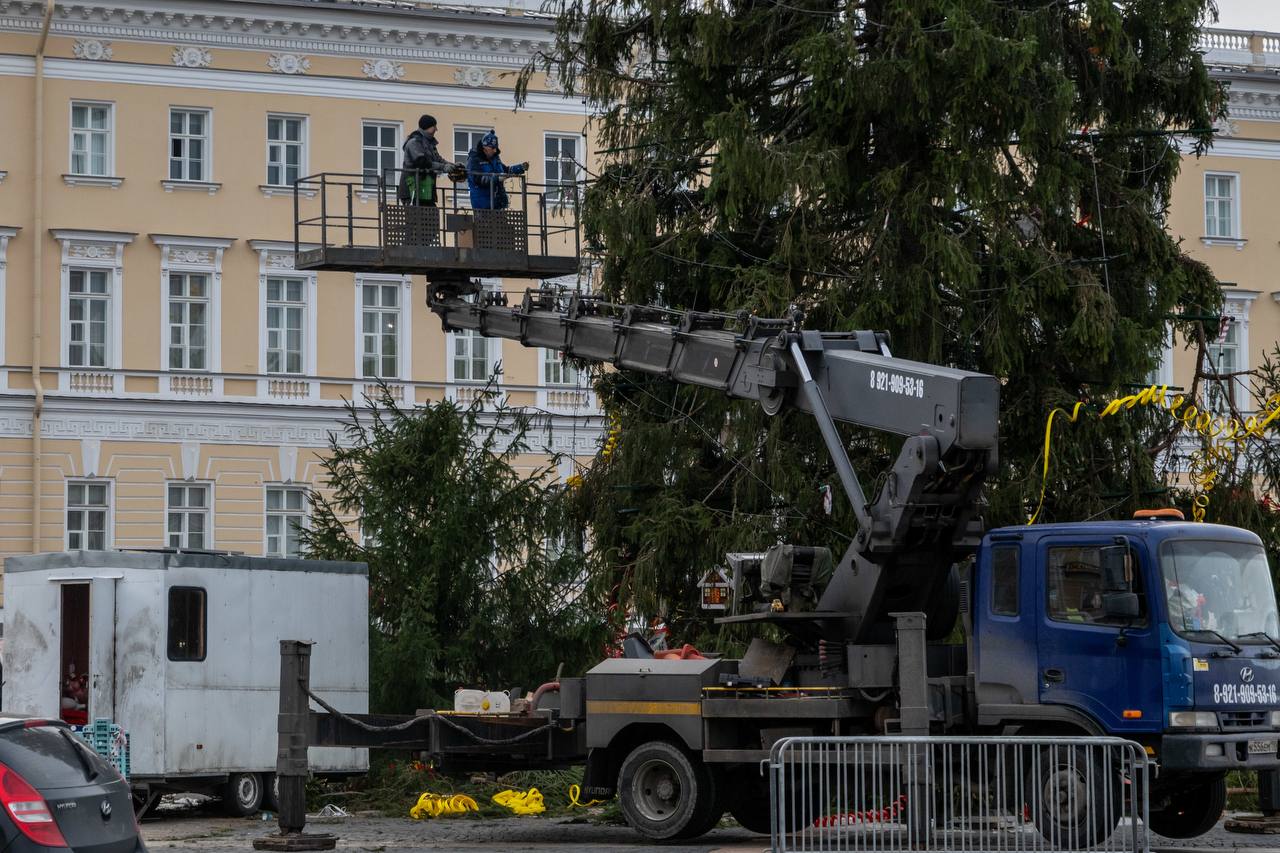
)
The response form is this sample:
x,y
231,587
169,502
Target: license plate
x,y
1262,747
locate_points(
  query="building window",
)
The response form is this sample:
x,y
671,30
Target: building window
x,y
88,312
88,507
286,312
561,167
188,321
91,139
470,357
188,145
1220,206
188,516
557,370
1004,581
465,139
380,330
286,148
1223,358
188,618
379,152
286,515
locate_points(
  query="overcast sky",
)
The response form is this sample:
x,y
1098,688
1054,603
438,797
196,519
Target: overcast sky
x,y
1249,15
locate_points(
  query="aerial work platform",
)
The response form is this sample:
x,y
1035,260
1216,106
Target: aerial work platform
x,y
349,222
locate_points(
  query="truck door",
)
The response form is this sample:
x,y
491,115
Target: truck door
x,y
1092,656
102,649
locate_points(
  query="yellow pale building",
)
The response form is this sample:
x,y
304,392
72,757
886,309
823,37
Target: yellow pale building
x,y
1222,210
170,371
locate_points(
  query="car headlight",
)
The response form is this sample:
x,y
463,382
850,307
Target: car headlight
x,y
1197,719
1275,719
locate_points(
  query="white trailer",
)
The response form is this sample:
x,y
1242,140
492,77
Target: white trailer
x,y
182,650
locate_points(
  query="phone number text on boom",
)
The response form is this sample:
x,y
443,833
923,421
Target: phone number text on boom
x,y
1245,694
897,383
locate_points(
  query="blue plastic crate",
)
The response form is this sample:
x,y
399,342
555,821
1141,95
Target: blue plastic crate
x,y
109,741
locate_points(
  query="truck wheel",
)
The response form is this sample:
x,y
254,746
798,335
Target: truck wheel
x,y
666,793
1192,811
1074,802
748,803
242,794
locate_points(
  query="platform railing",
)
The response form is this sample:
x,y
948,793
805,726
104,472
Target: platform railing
x,y
506,214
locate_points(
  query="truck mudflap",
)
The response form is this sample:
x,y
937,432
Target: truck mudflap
x,y
1210,751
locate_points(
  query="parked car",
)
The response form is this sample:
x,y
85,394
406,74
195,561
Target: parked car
x,y
57,794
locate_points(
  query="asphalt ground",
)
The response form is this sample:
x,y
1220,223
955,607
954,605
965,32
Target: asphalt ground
x,y
199,830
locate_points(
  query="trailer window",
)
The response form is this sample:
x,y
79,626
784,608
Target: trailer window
x,y
1076,586
187,619
1004,581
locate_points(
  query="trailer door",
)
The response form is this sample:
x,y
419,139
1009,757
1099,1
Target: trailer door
x,y
102,649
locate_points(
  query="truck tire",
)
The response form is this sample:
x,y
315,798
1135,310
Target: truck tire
x,y
1074,802
667,794
242,794
1192,811
748,803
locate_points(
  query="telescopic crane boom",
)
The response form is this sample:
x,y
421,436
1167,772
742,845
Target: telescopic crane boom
x,y
926,515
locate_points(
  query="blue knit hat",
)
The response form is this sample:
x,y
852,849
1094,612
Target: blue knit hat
x,y
490,140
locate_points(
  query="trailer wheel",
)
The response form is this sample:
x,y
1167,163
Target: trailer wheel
x,y
666,793
271,792
1076,796
1192,811
242,794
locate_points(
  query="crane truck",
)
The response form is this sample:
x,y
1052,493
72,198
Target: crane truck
x,y
1154,629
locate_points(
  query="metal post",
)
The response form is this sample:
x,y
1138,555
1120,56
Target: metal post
x,y
351,238
1269,792
913,717
324,211
291,754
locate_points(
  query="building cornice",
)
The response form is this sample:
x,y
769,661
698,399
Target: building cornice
x,y
201,242
290,84
87,235
407,34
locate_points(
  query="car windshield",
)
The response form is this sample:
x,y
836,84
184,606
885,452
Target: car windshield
x,y
1219,586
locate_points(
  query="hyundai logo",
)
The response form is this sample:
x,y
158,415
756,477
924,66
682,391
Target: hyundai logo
x,y
105,808
1246,674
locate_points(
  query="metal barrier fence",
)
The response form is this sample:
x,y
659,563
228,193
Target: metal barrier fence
x,y
958,794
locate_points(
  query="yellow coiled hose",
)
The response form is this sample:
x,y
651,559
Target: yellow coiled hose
x,y
436,805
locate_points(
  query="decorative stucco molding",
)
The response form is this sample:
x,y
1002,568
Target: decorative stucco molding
x,y
92,49
191,56
288,63
383,69
473,75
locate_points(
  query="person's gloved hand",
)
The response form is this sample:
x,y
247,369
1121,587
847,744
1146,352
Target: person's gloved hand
x,y
520,168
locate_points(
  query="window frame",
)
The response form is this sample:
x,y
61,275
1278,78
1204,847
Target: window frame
x,y
303,144
555,196
461,194
304,513
108,508
109,156
303,304
1143,620
493,347
109,317
186,300
396,154
204,624
996,551
404,336
1236,231
187,510
548,361
206,138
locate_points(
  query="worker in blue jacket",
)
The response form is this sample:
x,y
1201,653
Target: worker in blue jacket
x,y
485,172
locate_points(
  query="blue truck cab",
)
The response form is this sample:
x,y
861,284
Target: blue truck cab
x,y
1161,631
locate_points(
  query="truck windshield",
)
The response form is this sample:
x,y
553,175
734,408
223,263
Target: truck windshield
x,y
1219,586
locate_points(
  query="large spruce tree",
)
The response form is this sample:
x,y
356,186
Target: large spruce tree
x,y
985,179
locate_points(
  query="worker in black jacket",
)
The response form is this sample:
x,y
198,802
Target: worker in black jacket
x,y
422,162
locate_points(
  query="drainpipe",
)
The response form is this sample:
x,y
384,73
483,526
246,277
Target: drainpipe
x,y
37,290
